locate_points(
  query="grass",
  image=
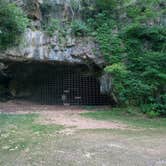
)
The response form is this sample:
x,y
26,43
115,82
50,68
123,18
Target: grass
x,y
18,132
23,141
131,116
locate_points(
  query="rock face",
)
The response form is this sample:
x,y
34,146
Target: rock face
x,y
106,83
37,45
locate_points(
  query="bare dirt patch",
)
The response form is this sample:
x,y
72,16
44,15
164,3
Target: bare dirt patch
x,y
73,119
63,115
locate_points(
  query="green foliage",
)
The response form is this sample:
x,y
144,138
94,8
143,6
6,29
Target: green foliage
x,y
152,114
105,4
104,30
75,5
13,23
156,108
144,11
58,28
154,37
134,52
118,69
144,61
52,27
79,28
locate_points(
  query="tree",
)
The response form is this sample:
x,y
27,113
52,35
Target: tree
x,y
13,23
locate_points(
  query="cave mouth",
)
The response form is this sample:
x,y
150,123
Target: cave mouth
x,y
55,84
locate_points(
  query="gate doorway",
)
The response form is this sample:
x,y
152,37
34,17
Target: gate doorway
x,y
52,84
71,87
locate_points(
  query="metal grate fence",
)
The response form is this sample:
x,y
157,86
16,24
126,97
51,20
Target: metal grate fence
x,y
69,87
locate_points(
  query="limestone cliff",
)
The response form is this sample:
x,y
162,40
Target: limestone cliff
x,y
37,45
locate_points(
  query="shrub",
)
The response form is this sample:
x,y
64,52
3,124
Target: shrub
x,y
118,69
106,4
134,50
134,53
79,28
152,114
13,23
155,109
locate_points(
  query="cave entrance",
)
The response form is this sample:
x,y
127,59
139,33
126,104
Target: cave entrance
x,y
70,87
56,84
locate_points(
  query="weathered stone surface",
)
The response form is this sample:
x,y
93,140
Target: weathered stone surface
x,y
36,45
105,83
2,66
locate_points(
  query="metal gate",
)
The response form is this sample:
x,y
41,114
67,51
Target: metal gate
x,y
70,87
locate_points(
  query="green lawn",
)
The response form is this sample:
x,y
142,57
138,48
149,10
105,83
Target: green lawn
x,y
18,132
24,141
130,116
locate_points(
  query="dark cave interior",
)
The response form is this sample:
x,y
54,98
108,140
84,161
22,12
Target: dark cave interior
x,y
52,84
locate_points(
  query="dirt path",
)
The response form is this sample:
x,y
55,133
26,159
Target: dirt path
x,y
73,119
69,116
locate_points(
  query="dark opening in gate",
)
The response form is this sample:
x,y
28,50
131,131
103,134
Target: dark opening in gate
x,y
57,84
73,88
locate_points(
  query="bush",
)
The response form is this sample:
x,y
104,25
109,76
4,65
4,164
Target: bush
x,y
13,23
152,114
155,109
105,5
132,38
79,28
134,53
118,69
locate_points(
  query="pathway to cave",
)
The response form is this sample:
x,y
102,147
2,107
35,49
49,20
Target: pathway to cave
x,y
69,116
